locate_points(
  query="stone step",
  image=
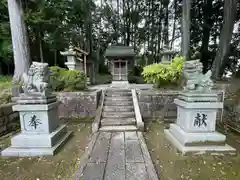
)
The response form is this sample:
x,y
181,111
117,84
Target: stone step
x,y
118,114
118,128
118,122
118,103
118,98
116,108
118,90
123,93
119,94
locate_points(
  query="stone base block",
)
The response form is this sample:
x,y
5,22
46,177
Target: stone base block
x,y
198,97
23,140
36,151
214,150
197,138
38,118
36,98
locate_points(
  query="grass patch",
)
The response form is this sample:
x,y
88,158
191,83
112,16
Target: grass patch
x,y
5,79
61,166
5,82
78,119
5,91
171,166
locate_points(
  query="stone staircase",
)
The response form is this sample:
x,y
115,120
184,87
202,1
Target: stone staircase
x,y
118,111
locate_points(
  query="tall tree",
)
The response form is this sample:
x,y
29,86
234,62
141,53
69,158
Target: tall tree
x,y
166,25
186,21
221,58
174,23
20,43
207,25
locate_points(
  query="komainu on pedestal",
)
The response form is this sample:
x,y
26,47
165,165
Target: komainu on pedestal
x,y
197,107
41,130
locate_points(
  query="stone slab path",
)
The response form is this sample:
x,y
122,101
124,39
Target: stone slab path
x,y
116,156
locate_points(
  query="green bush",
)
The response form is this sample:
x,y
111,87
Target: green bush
x,y
135,79
137,70
4,79
163,74
67,80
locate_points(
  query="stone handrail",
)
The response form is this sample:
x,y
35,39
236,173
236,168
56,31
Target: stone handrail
x,y
96,122
138,116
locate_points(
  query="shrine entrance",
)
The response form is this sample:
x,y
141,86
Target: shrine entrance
x,y
120,62
120,70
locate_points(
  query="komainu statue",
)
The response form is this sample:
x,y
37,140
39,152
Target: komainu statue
x,y
37,79
195,79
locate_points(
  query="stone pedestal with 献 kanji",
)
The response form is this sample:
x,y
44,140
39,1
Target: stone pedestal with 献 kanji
x,y
41,131
195,127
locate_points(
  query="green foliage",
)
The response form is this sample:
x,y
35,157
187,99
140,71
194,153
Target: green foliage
x,y
67,80
103,79
135,79
5,39
93,26
5,91
103,69
163,74
57,81
137,70
135,75
5,79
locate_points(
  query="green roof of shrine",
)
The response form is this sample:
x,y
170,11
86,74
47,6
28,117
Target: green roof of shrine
x,y
120,51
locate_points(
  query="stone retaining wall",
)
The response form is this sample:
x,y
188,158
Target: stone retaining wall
x,y
231,116
158,103
78,104
152,102
9,120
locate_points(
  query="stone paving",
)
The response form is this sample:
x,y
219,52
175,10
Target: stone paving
x,y
117,156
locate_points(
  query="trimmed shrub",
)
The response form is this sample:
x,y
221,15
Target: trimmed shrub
x,y
135,79
67,80
164,74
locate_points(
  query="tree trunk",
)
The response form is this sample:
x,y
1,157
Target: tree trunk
x,y
55,57
118,21
124,22
230,9
186,21
174,23
165,31
159,37
40,47
207,25
148,26
128,25
20,42
152,27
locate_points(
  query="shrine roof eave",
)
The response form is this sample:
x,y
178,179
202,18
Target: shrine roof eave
x,y
112,58
119,51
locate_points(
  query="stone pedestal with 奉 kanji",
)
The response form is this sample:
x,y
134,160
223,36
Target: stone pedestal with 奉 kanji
x,y
197,107
41,131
